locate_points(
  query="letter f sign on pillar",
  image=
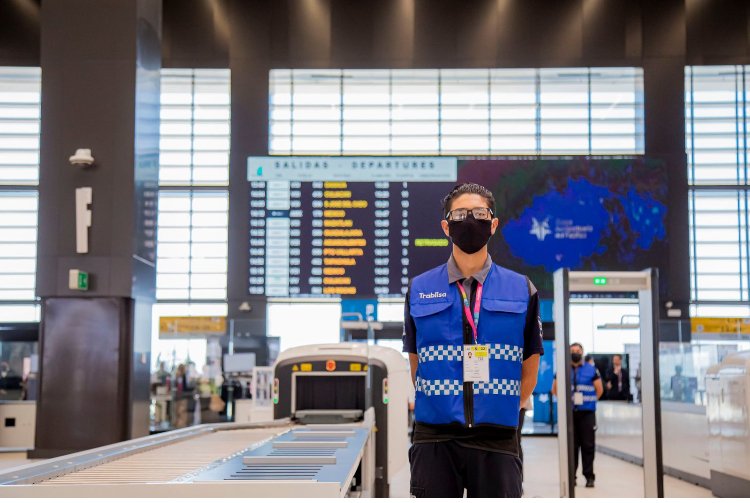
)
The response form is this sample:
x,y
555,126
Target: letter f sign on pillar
x,y
83,218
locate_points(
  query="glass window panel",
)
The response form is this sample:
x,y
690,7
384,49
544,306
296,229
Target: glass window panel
x,y
17,294
401,129
211,158
719,311
280,129
212,128
195,126
465,128
613,145
20,313
509,128
317,145
366,129
316,113
175,158
718,295
321,128
210,175
719,282
465,144
211,113
565,128
715,100
564,144
18,265
509,144
174,143
206,265
213,281
210,201
167,113
18,242
173,250
172,293
173,265
179,235
403,113
207,293
174,176
307,108
365,145
164,280
209,250
367,113
209,235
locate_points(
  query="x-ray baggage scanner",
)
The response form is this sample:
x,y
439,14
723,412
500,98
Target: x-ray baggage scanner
x,y
646,284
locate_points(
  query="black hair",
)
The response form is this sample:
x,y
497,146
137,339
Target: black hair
x,y
589,358
577,344
468,188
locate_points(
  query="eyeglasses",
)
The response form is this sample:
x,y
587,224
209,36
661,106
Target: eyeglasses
x,y
460,214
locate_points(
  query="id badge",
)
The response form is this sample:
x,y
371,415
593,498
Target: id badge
x,y
578,398
476,363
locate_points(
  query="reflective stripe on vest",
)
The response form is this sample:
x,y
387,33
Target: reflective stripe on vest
x,y
455,387
437,311
447,352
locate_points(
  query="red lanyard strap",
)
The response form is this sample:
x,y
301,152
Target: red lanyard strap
x,y
473,320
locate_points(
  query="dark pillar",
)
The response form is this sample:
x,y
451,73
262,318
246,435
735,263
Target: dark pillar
x,y
100,83
664,43
250,51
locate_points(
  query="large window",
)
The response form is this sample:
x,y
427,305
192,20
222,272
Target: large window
x,y
20,92
193,180
716,111
457,112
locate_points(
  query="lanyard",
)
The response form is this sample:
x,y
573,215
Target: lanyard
x,y
575,378
473,320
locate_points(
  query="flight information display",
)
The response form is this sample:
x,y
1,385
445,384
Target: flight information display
x,y
345,226
363,226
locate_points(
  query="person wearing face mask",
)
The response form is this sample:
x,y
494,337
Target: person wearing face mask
x,y
586,388
474,336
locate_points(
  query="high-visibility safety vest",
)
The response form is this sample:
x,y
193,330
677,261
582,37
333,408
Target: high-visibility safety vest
x,y
437,309
582,380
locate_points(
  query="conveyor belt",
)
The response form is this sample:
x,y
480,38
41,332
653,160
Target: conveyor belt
x,y
171,461
275,459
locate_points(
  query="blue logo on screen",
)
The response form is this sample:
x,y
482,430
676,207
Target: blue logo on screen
x,y
563,228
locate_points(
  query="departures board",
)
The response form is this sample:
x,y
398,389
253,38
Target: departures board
x,y
345,226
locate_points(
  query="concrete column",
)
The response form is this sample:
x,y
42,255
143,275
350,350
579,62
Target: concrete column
x,y
100,90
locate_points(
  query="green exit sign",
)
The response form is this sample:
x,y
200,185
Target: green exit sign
x,y
600,281
78,280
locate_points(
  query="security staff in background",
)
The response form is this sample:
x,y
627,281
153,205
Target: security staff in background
x,y
618,381
586,387
473,333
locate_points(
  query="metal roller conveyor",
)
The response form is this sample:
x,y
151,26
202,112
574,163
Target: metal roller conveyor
x,y
263,460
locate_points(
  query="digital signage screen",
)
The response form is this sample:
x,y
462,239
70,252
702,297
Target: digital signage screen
x,y
361,227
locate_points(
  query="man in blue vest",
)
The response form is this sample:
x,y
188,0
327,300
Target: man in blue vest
x,y
586,386
473,333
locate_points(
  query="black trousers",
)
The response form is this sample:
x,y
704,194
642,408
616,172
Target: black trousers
x,y
584,440
444,469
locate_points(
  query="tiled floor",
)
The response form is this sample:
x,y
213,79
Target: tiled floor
x,y
614,478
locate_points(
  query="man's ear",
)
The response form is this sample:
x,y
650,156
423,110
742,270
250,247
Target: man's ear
x,y
495,223
444,225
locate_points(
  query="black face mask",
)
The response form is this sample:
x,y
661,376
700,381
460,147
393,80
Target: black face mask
x,y
471,234
576,357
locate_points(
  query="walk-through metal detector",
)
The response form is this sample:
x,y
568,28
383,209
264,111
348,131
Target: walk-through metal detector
x,y
646,284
